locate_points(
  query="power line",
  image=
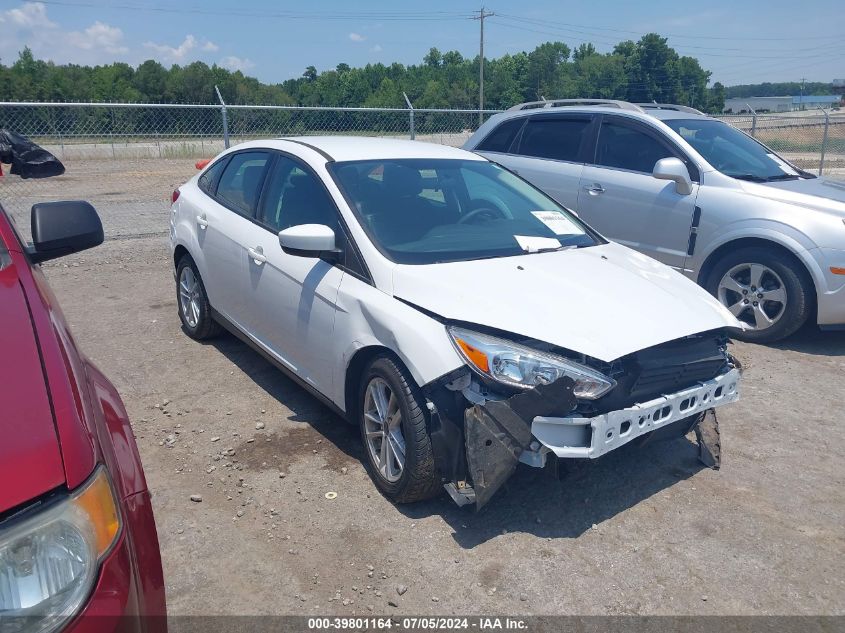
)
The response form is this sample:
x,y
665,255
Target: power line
x,y
785,56
281,14
545,22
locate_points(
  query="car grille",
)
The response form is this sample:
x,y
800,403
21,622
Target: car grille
x,y
676,365
663,369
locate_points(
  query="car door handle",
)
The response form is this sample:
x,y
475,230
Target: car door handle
x,y
257,255
202,222
594,189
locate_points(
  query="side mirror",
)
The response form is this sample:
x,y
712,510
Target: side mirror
x,y
309,240
674,169
61,228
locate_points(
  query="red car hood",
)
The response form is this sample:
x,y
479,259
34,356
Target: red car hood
x,y
30,460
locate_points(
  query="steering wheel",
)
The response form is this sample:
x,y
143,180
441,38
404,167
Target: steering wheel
x,y
491,213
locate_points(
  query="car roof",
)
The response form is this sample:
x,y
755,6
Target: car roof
x,y
665,115
349,148
642,112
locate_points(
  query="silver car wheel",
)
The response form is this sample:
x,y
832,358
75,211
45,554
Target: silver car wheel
x,y
754,294
383,429
189,296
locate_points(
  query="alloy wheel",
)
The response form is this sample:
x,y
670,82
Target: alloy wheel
x,y
383,429
189,296
754,294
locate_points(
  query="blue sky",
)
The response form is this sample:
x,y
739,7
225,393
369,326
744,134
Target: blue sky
x,y
741,42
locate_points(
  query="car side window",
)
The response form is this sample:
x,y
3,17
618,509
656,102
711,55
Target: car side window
x,y
208,180
624,147
558,138
294,196
241,180
501,139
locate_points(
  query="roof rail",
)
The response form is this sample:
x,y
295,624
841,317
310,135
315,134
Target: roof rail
x,y
560,103
669,106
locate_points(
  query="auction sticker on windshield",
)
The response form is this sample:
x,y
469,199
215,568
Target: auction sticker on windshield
x,y
557,222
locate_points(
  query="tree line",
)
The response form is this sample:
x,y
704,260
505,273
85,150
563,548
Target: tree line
x,y
778,89
642,71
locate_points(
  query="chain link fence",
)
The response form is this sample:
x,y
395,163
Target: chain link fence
x,y
126,159
814,141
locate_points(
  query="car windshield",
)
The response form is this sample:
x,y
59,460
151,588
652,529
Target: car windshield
x,y
732,152
423,211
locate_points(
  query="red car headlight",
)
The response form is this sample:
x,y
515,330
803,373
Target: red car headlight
x,y
49,561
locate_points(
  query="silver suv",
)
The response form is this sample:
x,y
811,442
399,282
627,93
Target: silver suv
x,y
765,237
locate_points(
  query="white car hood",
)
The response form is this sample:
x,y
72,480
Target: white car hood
x,y
603,301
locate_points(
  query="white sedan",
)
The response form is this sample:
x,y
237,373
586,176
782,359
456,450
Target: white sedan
x,y
462,318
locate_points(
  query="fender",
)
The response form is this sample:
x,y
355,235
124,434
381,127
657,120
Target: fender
x,y
368,317
774,231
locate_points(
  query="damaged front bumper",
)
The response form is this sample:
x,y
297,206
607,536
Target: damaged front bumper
x,y
572,436
498,434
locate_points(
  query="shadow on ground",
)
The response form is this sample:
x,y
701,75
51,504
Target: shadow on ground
x,y
532,501
305,407
811,340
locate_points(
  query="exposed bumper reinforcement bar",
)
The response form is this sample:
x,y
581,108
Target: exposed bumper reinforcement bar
x,y
498,433
590,438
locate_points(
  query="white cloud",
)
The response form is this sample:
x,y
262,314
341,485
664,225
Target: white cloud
x,y
356,37
98,36
29,25
29,16
376,49
236,63
181,52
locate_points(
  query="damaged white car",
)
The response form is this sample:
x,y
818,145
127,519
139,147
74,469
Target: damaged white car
x,y
463,319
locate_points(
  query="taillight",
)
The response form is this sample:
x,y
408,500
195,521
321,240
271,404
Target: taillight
x,y
174,196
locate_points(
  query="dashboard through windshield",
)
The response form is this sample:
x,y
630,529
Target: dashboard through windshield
x,y
423,211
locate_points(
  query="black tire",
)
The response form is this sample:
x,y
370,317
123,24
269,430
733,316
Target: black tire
x,y
206,327
419,479
797,283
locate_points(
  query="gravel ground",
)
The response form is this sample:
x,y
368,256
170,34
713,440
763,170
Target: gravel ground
x,y
641,531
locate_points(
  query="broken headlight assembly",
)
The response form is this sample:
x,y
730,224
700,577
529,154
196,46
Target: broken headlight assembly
x,y
515,365
49,561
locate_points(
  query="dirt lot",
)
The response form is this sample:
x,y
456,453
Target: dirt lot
x,y
645,531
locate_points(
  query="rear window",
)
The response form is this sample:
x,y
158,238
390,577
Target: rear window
x,y
208,179
501,139
556,138
241,180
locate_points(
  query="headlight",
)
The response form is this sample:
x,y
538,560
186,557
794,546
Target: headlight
x,y
49,562
522,367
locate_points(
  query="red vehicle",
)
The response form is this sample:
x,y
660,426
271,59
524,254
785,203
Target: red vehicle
x,y
78,544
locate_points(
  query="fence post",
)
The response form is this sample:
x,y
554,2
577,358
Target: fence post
x,y
753,120
225,118
113,124
57,131
824,141
410,116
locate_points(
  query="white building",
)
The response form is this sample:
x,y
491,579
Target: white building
x,y
741,105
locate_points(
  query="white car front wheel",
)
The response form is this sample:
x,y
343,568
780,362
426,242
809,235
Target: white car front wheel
x,y
395,432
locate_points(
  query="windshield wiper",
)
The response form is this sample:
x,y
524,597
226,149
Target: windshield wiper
x,y
750,177
782,177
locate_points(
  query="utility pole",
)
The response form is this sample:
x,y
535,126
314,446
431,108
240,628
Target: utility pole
x,y
480,17
801,98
